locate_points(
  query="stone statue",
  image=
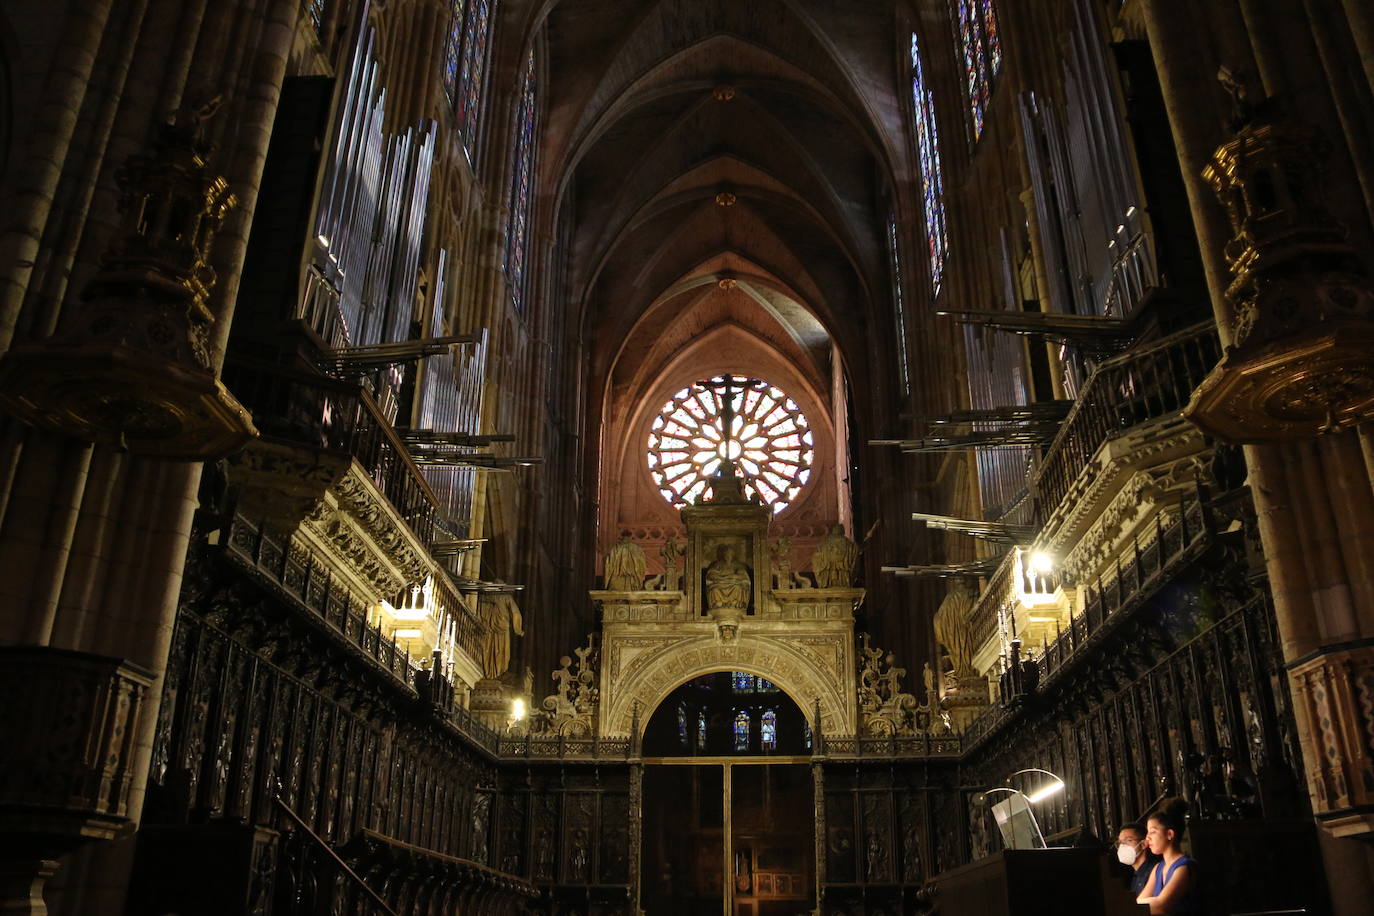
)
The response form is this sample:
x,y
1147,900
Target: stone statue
x,y
499,615
624,571
672,576
834,560
727,582
781,554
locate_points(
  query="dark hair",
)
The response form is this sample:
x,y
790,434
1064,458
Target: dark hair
x,y
1137,826
1172,815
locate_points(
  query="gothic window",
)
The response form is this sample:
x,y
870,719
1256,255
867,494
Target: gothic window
x,y
465,62
701,730
806,734
742,730
932,176
768,438
899,307
517,232
976,25
764,686
682,724
768,730
743,683
316,10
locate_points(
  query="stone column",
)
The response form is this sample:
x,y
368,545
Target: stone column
x,y
1295,305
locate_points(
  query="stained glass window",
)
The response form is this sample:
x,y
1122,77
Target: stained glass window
x,y
976,24
465,62
806,734
899,307
743,683
932,172
768,438
316,9
701,730
453,48
682,724
765,686
522,175
768,730
742,730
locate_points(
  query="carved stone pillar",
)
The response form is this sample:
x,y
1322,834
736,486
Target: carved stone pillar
x,y
1334,704
1301,367
75,716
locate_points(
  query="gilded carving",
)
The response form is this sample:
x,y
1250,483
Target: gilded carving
x,y
1302,359
133,368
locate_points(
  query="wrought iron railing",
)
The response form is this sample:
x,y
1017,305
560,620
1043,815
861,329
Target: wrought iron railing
x,y
324,413
1109,601
912,746
311,584
1175,541
1123,392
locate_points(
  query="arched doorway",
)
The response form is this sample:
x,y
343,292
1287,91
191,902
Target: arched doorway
x,y
728,801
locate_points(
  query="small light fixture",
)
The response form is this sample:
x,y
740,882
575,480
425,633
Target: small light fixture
x,y
1041,563
1053,787
517,709
1017,824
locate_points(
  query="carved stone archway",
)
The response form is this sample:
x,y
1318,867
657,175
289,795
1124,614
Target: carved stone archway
x,y
807,666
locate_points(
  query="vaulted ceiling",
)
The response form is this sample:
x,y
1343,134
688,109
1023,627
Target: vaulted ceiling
x,y
718,163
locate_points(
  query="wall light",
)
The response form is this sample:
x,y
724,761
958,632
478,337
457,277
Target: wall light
x,y
1041,563
517,709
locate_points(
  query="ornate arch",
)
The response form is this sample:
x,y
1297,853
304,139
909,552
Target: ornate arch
x,y
644,669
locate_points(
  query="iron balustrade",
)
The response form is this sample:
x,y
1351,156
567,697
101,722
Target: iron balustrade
x,y
311,584
1179,539
324,413
1123,392
1108,602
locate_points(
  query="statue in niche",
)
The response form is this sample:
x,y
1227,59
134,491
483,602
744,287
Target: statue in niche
x,y
727,582
499,614
875,856
624,570
579,856
834,560
781,554
672,576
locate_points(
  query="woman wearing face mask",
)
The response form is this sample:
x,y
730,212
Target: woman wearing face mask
x,y
1132,852
1172,887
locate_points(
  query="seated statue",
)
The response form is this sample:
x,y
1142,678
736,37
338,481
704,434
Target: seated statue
x,y
727,582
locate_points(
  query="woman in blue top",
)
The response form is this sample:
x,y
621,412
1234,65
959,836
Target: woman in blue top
x,y
1173,886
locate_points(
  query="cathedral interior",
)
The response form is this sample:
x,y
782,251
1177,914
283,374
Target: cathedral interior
x,y
684,456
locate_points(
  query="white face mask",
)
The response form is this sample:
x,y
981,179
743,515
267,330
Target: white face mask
x,y
1127,854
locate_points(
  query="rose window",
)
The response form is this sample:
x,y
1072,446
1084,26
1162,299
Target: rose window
x,y
746,420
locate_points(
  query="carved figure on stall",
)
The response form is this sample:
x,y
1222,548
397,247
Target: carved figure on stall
x,y
834,560
578,859
499,614
728,582
672,575
781,554
624,569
